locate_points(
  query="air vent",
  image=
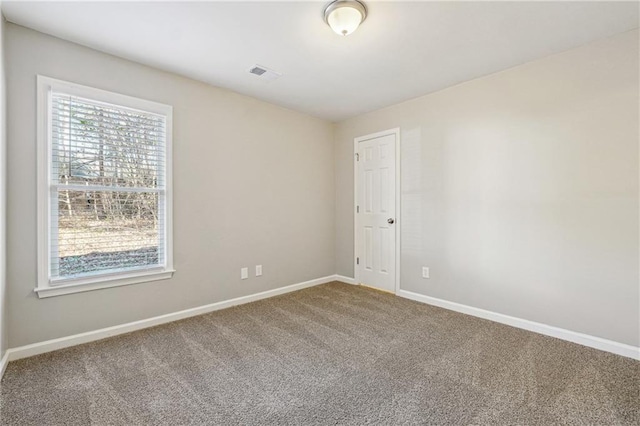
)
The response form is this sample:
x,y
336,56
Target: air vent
x,y
264,73
257,70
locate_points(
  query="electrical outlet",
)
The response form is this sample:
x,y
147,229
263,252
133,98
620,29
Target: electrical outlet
x,y
425,272
258,270
244,273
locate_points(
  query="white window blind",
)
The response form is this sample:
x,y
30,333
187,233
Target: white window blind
x,y
104,189
107,188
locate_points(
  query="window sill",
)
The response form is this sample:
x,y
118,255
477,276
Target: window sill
x,y
98,283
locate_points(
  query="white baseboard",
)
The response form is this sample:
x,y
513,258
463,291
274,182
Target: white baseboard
x,y
548,330
91,336
3,363
345,280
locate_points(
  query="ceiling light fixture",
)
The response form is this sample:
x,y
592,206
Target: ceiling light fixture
x,y
344,16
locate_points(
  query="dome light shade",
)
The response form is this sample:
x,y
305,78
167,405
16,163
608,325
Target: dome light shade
x,y
344,16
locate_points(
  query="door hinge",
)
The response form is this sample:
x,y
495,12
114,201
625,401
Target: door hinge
x,y
357,209
357,260
357,156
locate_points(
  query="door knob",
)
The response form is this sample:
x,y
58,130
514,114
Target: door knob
x,y
390,221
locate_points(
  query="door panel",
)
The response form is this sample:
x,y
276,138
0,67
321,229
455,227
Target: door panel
x,y
376,204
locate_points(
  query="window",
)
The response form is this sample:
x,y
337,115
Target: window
x,y
104,194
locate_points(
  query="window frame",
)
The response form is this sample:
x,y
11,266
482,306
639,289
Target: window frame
x,y
45,286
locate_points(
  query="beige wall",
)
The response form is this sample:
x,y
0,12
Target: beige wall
x,y
253,184
520,190
3,204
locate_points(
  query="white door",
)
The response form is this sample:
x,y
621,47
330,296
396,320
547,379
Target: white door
x,y
376,211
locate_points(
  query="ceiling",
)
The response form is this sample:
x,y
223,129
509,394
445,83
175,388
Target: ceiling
x,y
403,49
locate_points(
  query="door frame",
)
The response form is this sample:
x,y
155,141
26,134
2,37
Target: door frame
x,y
395,131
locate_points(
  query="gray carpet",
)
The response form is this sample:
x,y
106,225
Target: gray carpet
x,y
332,354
